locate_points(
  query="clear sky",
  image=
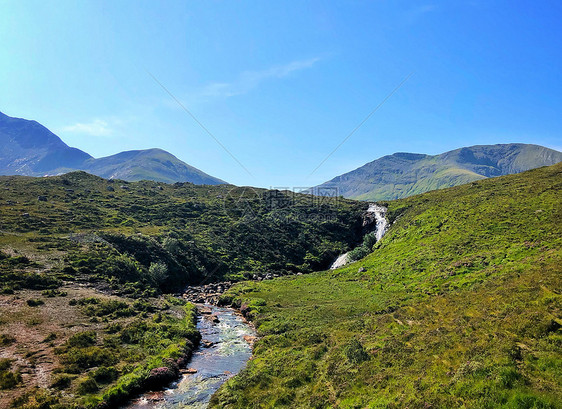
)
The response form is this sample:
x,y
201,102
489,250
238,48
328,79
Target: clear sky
x,y
281,83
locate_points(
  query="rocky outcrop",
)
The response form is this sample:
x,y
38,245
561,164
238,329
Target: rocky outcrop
x,y
206,294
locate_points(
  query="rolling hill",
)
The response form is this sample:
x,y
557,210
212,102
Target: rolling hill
x,y
405,174
84,262
30,149
458,306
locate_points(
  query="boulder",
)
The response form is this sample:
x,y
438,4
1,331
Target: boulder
x,y
206,311
249,339
162,376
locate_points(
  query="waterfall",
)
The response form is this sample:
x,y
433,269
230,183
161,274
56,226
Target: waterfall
x,y
381,226
341,261
380,217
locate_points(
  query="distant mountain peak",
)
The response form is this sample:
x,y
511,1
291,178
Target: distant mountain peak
x,y
29,148
409,156
405,174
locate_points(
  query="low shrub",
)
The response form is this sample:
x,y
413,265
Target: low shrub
x,y
105,375
82,339
38,399
6,340
8,379
78,359
61,381
355,352
113,308
87,386
35,302
54,293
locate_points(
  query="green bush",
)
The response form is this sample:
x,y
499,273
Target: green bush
x,y
358,253
158,272
8,379
82,339
77,359
54,293
104,375
103,308
38,399
35,302
51,337
355,352
6,340
5,364
61,381
87,386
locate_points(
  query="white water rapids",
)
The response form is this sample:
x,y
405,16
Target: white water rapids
x,y
381,225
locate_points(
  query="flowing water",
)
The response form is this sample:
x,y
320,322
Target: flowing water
x,y
381,225
380,217
227,355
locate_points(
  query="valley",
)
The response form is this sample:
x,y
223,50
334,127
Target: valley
x,y
89,268
280,205
451,298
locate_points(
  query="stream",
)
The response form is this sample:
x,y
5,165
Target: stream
x,y
224,351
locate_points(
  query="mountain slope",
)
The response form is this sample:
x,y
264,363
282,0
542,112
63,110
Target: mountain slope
x,y
458,306
149,164
28,148
406,174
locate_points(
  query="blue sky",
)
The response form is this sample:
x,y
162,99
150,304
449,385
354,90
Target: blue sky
x,y
281,84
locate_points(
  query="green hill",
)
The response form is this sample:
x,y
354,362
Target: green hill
x,y
85,261
406,174
458,306
148,164
218,231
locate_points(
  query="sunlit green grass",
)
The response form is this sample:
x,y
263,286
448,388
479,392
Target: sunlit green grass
x,y
459,306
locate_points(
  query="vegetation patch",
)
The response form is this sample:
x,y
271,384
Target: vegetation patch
x,y
459,305
8,379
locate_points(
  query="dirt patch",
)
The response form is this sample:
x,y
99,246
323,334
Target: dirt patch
x,y
38,331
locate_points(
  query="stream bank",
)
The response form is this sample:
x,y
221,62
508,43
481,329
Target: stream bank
x,y
224,350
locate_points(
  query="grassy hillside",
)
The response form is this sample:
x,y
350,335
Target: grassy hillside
x,y
459,305
407,174
198,232
84,262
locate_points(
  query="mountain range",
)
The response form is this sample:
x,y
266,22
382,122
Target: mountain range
x,y
406,174
29,148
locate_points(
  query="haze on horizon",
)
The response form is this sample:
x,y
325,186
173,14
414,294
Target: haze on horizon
x,y
281,85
